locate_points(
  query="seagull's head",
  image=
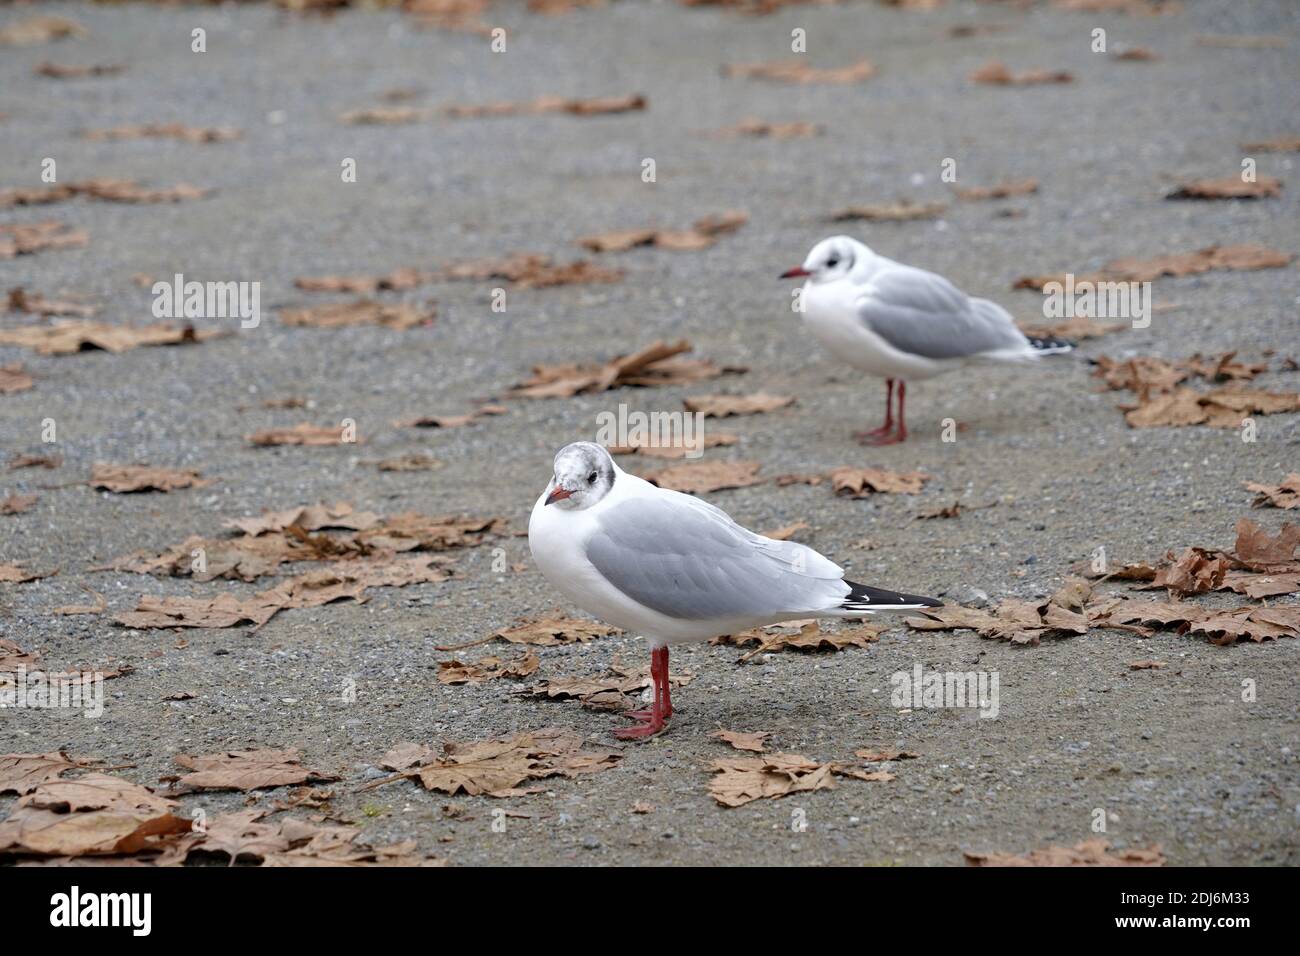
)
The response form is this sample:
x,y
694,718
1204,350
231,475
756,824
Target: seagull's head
x,y
830,259
584,473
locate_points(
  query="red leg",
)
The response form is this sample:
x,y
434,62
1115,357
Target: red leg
x,y
667,684
891,435
648,724
872,437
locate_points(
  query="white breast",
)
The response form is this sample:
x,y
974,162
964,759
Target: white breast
x,y
830,313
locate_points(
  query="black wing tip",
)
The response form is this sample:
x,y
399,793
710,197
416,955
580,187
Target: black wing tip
x,y
865,597
1050,344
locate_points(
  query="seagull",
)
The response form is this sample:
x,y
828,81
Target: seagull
x,y
898,322
675,569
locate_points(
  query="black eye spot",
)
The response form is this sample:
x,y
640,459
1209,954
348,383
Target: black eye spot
x,y
591,479
832,262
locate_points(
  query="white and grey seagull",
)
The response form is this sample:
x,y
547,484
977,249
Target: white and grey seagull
x,y
898,322
674,568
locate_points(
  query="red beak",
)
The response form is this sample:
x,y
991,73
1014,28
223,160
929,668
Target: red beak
x,y
797,272
559,494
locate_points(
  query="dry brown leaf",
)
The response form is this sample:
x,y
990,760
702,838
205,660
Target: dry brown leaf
x,y
107,190
702,477
303,433
124,479
904,210
399,280
23,773
702,234
17,574
451,421
309,518
997,74
1145,665
1285,494
597,106
1245,257
11,658
1017,621
722,406
385,115
70,337
1284,144
72,610
177,131
801,635
885,755
1228,187
335,315
849,482
35,461
655,365
1259,550
26,238
413,462
41,29
487,668
528,270
1074,329
1220,408
1094,852
741,780
22,301
754,742
761,129
554,631
798,71
14,379
1019,187
497,768
1138,7
675,446
1137,54
16,504
337,581
247,770
607,691
786,532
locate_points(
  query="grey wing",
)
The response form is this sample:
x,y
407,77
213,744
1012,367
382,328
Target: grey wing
x,y
695,563
924,314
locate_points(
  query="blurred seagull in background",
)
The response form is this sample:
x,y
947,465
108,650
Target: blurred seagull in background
x,y
898,322
674,568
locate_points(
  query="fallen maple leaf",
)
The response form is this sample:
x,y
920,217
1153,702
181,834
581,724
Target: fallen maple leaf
x,y
335,315
655,365
597,106
41,29
554,631
997,74
14,379
487,668
703,477
246,770
303,433
1074,329
1245,257
849,482
800,635
70,337
451,421
22,773
885,755
649,446
385,115
35,461
177,131
1285,494
753,742
21,239
1284,144
1228,187
607,691
107,190
1095,852
1145,665
11,658
722,406
741,780
1019,187
17,574
702,234
124,479
16,504
798,71
903,210
399,280
497,767
1220,408
22,301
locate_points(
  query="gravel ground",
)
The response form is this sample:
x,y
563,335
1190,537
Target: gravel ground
x,y
1173,755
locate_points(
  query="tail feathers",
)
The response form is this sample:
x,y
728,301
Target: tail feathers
x,y
1050,344
863,599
